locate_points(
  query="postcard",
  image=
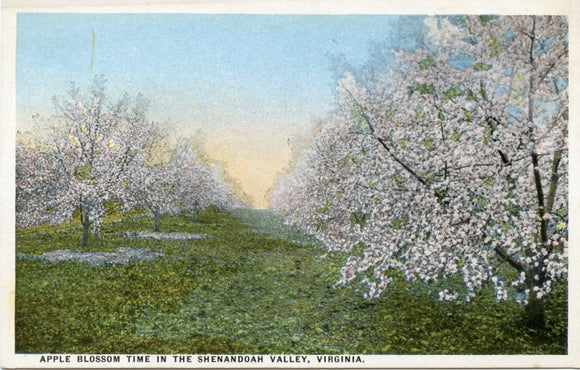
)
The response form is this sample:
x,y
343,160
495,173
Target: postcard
x,y
243,184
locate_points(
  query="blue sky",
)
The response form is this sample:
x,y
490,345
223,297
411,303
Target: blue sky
x,y
271,74
281,62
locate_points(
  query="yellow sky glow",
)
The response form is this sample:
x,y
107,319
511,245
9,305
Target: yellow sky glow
x,y
254,156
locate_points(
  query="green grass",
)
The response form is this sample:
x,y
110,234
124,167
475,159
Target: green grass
x,y
254,286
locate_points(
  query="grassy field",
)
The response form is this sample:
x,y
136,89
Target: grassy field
x,y
253,286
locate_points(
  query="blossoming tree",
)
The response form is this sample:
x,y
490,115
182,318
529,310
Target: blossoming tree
x,y
455,162
185,184
200,182
152,189
37,188
85,161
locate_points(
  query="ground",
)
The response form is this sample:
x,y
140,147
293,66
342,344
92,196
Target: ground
x,y
251,285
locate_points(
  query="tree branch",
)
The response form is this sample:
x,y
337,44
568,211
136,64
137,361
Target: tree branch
x,y
461,222
403,164
553,181
540,198
384,144
541,79
509,259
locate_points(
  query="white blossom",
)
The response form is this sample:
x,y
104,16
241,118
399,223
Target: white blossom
x,y
449,166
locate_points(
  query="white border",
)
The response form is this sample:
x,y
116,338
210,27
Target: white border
x,y
7,139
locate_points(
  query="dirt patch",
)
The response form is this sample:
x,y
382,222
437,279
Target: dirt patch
x,y
164,236
120,256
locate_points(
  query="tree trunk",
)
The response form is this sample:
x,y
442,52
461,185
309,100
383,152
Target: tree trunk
x,y
535,313
535,309
86,227
155,221
193,216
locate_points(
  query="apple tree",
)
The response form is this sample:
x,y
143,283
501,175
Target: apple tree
x,y
453,162
184,184
85,160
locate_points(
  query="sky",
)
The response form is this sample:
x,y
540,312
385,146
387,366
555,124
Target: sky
x,y
252,85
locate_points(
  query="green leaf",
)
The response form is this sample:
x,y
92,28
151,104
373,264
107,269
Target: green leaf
x,y
83,172
495,45
421,89
358,218
427,63
481,67
452,93
428,143
485,19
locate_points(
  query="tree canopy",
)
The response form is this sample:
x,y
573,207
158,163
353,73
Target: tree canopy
x,y
452,162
